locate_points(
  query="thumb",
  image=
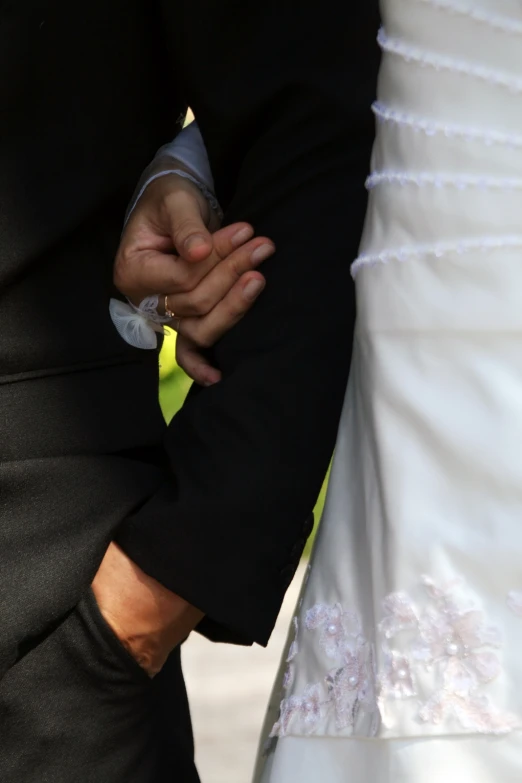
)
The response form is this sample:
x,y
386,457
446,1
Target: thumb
x,y
191,237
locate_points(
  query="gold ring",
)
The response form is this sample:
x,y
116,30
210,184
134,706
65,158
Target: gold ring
x,y
168,311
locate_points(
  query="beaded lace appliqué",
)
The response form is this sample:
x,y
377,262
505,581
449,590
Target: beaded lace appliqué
x,y
442,654
348,686
450,646
288,679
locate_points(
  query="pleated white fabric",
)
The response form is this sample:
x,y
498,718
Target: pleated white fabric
x,y
404,662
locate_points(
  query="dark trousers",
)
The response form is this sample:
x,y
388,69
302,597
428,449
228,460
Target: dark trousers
x,y
77,708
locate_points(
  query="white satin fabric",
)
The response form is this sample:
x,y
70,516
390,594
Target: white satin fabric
x,y
404,664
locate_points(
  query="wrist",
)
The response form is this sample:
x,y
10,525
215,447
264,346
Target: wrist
x,y
149,619
165,167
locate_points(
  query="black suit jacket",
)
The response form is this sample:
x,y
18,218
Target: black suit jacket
x,y
217,507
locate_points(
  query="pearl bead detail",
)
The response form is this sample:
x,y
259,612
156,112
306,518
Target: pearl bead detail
x,y
402,254
439,63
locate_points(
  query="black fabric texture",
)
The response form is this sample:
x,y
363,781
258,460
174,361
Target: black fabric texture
x,y
217,507
79,708
282,92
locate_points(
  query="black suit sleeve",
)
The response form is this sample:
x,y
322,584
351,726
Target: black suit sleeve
x,y
282,93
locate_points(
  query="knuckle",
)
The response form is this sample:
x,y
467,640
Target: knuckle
x,y
184,226
207,341
172,193
185,338
117,278
237,266
121,270
235,310
181,283
201,304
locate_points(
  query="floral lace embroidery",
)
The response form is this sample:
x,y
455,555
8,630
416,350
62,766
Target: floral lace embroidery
x,y
452,641
447,644
308,708
288,679
347,688
397,681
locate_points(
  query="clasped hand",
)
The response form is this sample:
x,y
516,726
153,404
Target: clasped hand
x,y
172,244
210,279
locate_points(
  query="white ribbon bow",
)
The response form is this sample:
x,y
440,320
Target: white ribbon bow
x,y
138,326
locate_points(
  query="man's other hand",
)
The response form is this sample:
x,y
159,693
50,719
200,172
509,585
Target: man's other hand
x,y
148,619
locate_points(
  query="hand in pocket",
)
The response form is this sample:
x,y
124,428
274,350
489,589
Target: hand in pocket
x,y
149,620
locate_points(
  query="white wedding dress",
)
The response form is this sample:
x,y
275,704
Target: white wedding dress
x,y
405,659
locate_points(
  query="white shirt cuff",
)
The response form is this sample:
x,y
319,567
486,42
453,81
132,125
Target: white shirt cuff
x,y
188,148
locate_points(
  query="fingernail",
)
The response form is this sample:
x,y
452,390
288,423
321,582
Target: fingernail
x,y
211,379
253,288
195,241
261,253
242,236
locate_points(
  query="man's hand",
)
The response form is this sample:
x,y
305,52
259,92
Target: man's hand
x,y
167,249
148,619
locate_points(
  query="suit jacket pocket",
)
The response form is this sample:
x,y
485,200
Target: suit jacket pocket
x,y
112,652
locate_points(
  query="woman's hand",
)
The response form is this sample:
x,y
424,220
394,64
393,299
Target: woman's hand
x,y
208,279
